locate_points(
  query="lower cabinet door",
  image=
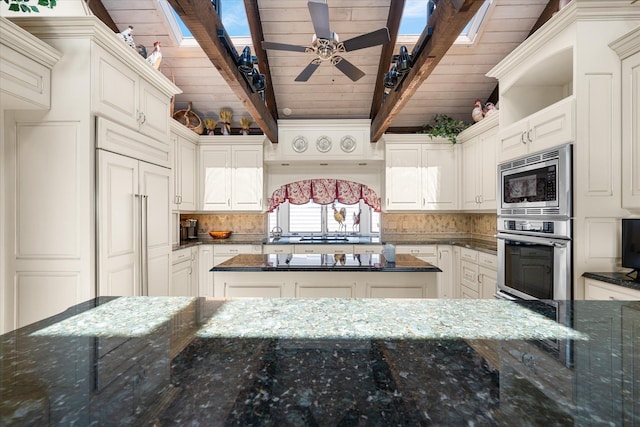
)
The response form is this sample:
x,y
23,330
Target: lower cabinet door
x,y
181,279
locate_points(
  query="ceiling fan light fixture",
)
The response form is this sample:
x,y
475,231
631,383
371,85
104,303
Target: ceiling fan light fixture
x,y
404,62
245,61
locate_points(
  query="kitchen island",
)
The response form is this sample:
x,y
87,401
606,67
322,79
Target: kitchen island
x,y
326,362
325,275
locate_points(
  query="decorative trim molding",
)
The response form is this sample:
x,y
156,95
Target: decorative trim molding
x,y
628,44
20,40
92,28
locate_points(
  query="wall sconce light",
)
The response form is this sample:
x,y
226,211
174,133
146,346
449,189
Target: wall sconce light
x,y
404,62
258,81
245,61
391,78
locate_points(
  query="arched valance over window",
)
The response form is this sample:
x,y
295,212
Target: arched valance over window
x,y
324,191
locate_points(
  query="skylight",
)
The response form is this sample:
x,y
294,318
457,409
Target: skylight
x,y
416,13
232,13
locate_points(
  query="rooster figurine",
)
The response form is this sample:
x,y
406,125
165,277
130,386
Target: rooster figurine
x,y
477,113
340,216
155,57
490,108
356,221
127,36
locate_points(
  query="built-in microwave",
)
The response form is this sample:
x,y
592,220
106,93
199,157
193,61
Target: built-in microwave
x,y
537,184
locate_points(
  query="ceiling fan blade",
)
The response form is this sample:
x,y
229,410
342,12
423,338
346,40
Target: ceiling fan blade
x,y
283,46
306,73
373,38
320,16
350,70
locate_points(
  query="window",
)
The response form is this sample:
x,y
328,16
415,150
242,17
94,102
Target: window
x,y
314,218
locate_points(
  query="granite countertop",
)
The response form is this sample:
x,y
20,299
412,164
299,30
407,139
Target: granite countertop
x,y
396,239
325,262
615,278
324,362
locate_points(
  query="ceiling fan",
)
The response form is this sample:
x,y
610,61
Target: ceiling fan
x,y
328,47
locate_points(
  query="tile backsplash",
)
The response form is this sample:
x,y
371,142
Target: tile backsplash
x,y
239,223
480,226
477,225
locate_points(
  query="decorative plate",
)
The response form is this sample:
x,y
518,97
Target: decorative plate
x,y
299,144
323,144
348,143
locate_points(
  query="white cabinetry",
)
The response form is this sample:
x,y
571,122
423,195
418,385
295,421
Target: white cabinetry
x,y
25,69
134,228
445,278
479,164
231,175
628,48
184,273
566,84
478,276
549,127
420,175
50,168
185,171
205,277
598,290
122,95
439,255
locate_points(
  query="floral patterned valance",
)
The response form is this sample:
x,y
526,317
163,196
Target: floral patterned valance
x,y
324,191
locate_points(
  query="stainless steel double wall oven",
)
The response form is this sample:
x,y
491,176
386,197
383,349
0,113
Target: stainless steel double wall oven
x,y
535,226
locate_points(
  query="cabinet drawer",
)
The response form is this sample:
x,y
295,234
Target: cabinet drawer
x,y
181,255
469,275
233,249
323,249
488,260
467,293
469,255
597,290
418,250
367,249
277,249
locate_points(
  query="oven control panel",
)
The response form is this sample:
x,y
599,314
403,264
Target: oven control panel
x,y
556,228
529,225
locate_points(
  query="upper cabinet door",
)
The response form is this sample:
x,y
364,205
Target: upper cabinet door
x,y
188,175
246,178
153,110
439,177
404,177
124,96
215,178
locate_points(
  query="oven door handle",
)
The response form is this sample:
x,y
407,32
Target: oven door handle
x,y
528,240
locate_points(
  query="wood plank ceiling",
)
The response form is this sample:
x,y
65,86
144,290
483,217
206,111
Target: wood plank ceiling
x,y
448,87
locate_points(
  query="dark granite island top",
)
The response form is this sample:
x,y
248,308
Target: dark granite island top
x,y
325,262
173,361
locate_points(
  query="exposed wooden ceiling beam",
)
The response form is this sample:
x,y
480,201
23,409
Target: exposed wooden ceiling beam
x,y
257,35
449,19
393,24
204,22
102,13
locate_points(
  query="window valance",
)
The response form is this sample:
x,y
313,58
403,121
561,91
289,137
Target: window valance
x,y
324,191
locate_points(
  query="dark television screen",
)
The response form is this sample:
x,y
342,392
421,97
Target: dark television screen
x,y
631,243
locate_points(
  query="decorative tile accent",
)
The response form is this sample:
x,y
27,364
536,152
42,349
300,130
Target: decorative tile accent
x,y
479,226
239,223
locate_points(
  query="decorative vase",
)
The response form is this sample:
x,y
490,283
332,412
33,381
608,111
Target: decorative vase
x,y
226,128
245,131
